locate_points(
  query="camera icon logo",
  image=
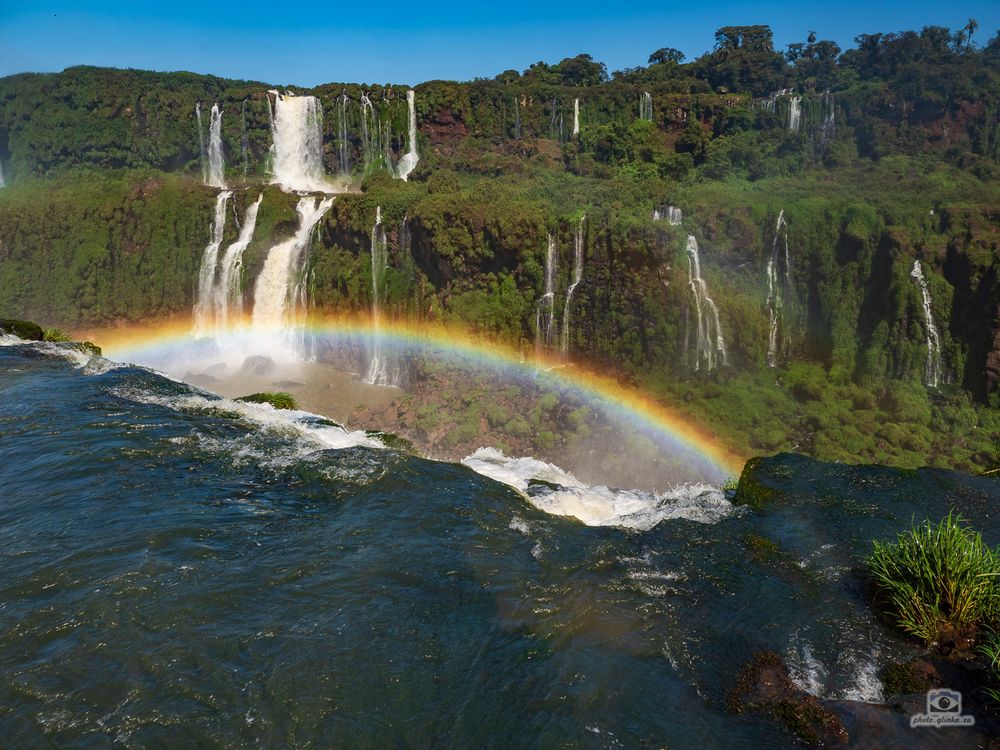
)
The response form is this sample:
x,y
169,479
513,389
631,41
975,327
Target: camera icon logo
x,y
944,709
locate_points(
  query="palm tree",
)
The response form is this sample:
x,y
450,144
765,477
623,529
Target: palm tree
x,y
970,29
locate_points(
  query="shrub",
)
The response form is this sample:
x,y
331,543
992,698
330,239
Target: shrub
x,y
938,583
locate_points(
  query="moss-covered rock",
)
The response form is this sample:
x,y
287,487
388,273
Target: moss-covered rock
x,y
392,440
279,400
753,490
23,329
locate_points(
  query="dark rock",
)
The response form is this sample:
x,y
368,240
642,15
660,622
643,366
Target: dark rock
x,y
753,489
23,329
257,365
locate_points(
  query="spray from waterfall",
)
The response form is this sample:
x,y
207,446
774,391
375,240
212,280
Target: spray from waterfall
x,y
202,151
298,143
710,349
343,145
227,295
546,308
577,278
779,281
207,272
410,158
646,106
576,117
933,367
794,113
216,164
379,371
280,292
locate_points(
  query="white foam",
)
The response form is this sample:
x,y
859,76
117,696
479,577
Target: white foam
x,y
599,505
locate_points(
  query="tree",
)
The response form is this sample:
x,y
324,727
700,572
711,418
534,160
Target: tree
x,y
666,55
970,29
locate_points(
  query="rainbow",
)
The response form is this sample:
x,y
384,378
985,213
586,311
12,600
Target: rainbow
x,y
136,343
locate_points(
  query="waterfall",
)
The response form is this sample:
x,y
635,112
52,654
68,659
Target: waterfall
x,y
378,366
545,311
369,132
3,182
280,293
202,152
577,278
709,345
216,165
209,260
576,117
298,143
933,369
227,296
343,144
646,106
410,158
244,138
517,119
778,281
829,125
794,113
672,214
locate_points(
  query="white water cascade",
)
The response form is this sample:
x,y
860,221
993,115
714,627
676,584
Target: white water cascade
x,y
794,113
227,296
932,370
202,152
280,291
672,214
343,146
209,261
378,365
646,106
216,164
576,117
3,182
828,127
411,157
710,349
298,143
545,311
577,278
244,138
778,280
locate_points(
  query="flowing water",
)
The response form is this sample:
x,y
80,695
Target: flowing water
x,y
216,163
794,113
244,138
932,368
184,570
577,278
380,371
409,160
576,117
202,151
204,304
646,106
343,143
227,295
280,292
545,310
710,348
673,215
3,182
298,143
779,275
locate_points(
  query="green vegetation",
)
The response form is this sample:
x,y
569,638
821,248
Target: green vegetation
x,y
896,160
23,329
938,583
278,400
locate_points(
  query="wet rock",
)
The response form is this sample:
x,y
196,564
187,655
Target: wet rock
x,y
754,489
764,686
257,365
23,329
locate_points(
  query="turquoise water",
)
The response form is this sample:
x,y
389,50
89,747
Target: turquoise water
x,y
178,572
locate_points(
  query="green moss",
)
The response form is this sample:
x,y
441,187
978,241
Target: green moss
x,y
904,679
22,329
391,440
279,400
750,491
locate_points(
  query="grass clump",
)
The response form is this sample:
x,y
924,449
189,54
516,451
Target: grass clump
x,y
279,400
938,582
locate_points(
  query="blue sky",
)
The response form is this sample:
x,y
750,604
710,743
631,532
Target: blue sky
x,y
307,43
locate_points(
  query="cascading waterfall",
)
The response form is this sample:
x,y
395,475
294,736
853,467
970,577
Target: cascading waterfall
x,y
828,127
410,158
576,117
577,278
343,145
546,308
369,132
207,272
3,182
378,366
517,119
280,292
298,143
244,138
933,368
202,151
794,113
646,106
710,349
778,280
672,214
227,296
216,164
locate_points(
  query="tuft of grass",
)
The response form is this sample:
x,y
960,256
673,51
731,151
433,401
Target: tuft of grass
x,y
938,582
990,649
279,400
55,335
